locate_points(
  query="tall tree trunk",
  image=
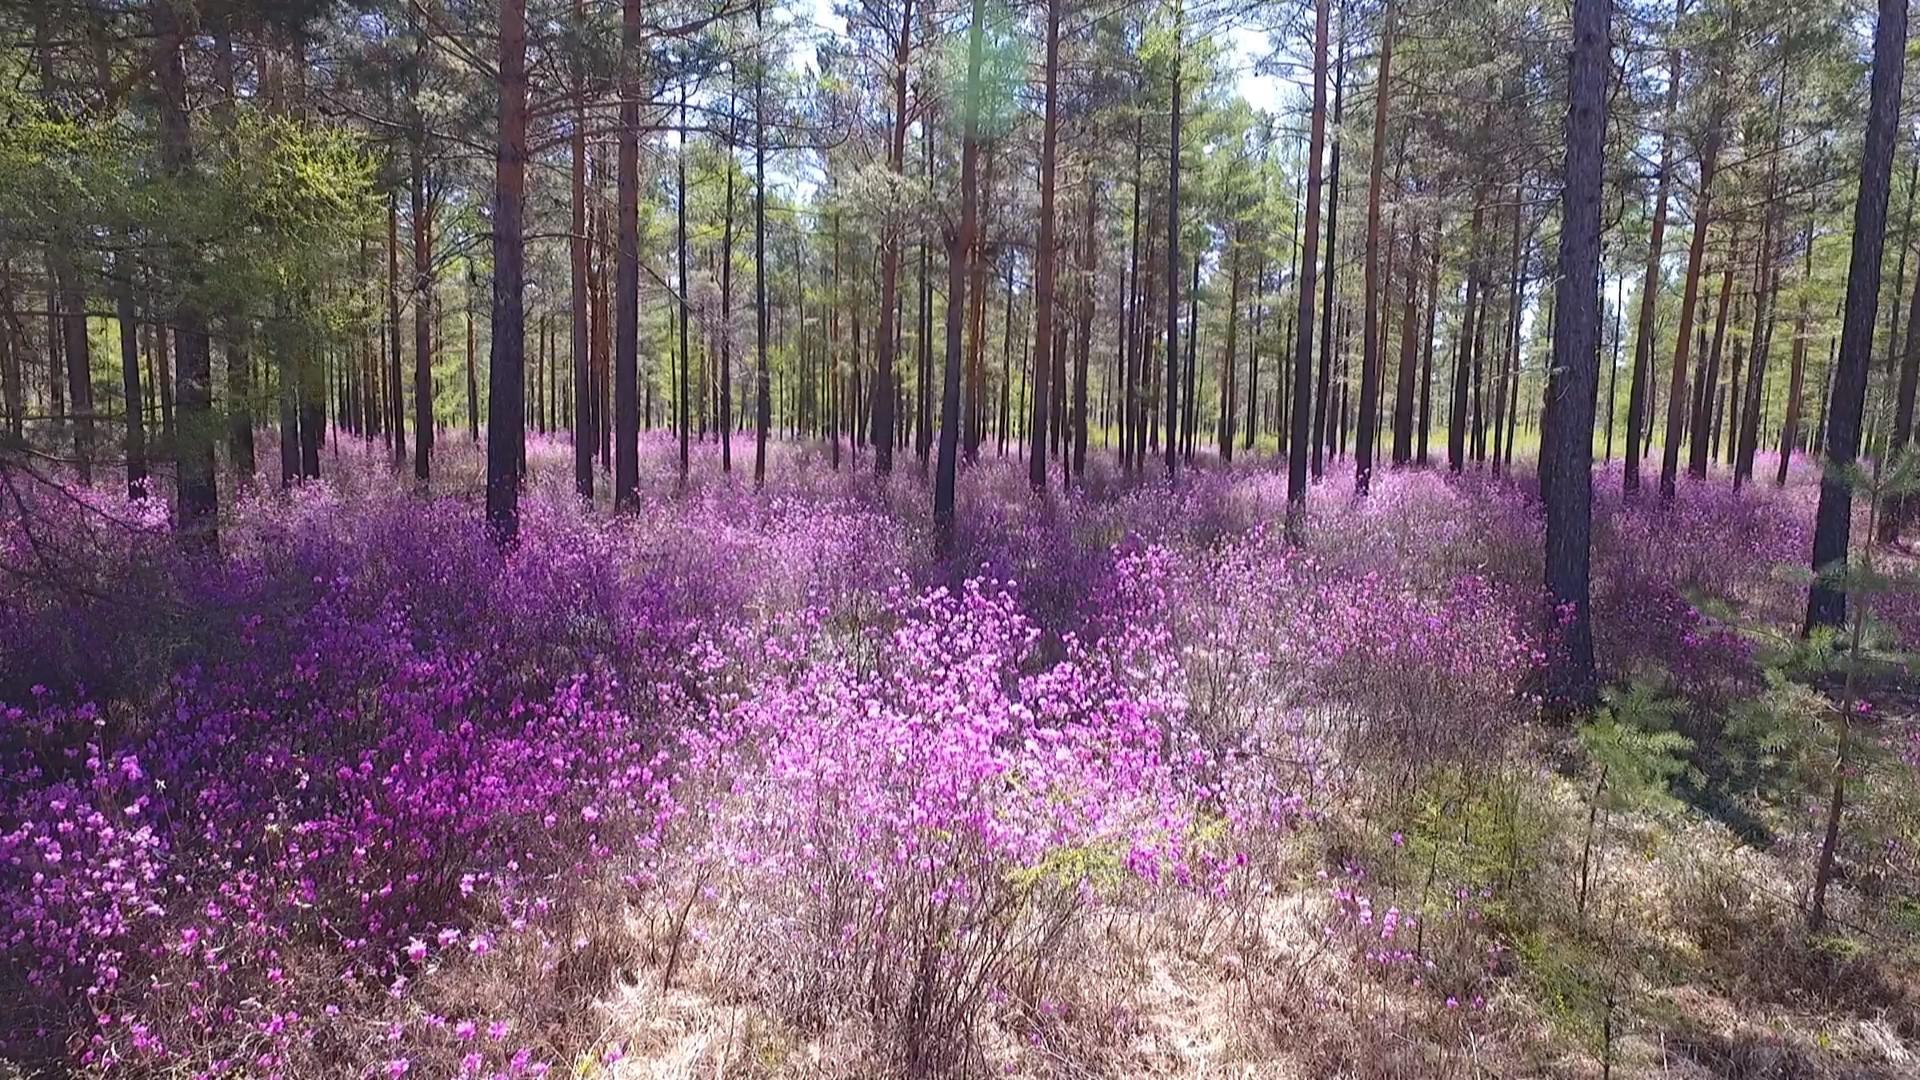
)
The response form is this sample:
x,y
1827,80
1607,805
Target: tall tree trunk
x,y
1044,256
884,390
1464,346
626,288
1371,344
1057,410
75,348
763,402
1006,368
1514,370
1343,386
1083,338
1255,415
1700,450
1796,389
962,246
725,387
422,214
599,253
1477,367
1567,428
1505,398
1188,412
1640,386
580,325
1409,359
13,391
686,290
56,377
390,371
1300,427
1132,429
1900,513
1748,431
922,422
974,424
129,384
1506,392
1228,389
288,394
473,388
1173,249
1826,602
373,416
1426,356
163,378
313,407
196,486
836,384
1328,337
239,358
506,366
1769,279
1732,400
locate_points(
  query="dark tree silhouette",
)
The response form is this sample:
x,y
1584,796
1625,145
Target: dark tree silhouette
x,y
1301,421
1371,344
1832,526
1566,450
506,364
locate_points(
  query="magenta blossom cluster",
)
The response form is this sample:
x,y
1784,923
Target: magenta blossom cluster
x,y
379,741
890,805
258,813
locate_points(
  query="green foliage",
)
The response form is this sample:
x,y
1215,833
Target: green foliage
x,y
270,212
61,179
1632,745
1003,66
1474,832
1566,976
1099,865
1778,743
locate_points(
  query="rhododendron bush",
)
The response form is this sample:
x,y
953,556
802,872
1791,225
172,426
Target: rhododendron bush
x,y
365,796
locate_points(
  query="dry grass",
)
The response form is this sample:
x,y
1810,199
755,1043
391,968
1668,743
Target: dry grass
x,y
1710,977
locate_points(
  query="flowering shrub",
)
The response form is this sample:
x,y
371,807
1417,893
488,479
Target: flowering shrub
x,y
906,821
1449,954
375,734
365,797
1382,665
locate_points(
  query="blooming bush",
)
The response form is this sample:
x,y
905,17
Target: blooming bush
x,y
366,797
904,822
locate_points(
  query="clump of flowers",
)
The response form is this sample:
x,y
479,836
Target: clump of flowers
x,y
358,754
893,816
1440,946
281,813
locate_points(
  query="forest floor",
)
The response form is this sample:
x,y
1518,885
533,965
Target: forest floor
x,y
748,784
